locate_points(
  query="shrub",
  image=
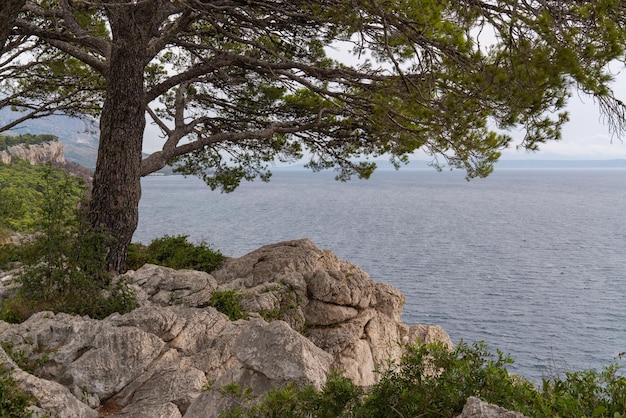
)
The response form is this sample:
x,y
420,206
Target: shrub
x,y
175,252
586,393
432,381
24,191
338,397
228,302
64,268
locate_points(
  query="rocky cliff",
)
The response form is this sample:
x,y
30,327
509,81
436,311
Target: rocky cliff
x,y
52,152
35,154
309,314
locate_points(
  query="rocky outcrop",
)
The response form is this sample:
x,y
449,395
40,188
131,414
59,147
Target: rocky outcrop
x,y
308,314
51,151
331,301
46,152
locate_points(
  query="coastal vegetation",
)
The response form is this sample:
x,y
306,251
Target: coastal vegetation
x,y
61,262
63,265
27,191
433,381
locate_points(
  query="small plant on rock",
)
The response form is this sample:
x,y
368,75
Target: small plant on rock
x,y
14,402
228,302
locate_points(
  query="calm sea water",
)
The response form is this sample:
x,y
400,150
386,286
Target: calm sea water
x,y
533,262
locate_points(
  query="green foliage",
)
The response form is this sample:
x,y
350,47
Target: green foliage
x,y
338,397
23,190
433,381
26,362
63,267
584,394
175,252
427,74
13,401
228,302
7,141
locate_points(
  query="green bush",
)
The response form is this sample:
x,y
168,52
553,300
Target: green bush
x,y
228,302
432,381
584,394
337,399
175,252
23,194
64,267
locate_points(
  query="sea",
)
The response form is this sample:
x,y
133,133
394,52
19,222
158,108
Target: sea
x,y
530,261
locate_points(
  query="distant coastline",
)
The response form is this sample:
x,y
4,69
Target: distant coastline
x,y
502,164
561,164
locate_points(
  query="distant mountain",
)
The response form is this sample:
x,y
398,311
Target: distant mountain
x,y
79,137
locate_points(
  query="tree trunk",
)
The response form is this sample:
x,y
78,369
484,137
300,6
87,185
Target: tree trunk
x,y
114,204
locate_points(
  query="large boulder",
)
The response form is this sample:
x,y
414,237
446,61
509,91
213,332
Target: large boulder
x,y
332,301
308,312
269,355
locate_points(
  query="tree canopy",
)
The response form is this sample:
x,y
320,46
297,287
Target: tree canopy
x,y
234,85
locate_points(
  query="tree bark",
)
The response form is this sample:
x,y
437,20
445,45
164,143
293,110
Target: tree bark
x,y
9,10
114,205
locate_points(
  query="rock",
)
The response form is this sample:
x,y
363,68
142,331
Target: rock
x,y
281,354
164,286
274,262
330,300
164,323
269,355
46,152
309,312
89,357
321,313
429,334
51,396
166,410
176,386
475,408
